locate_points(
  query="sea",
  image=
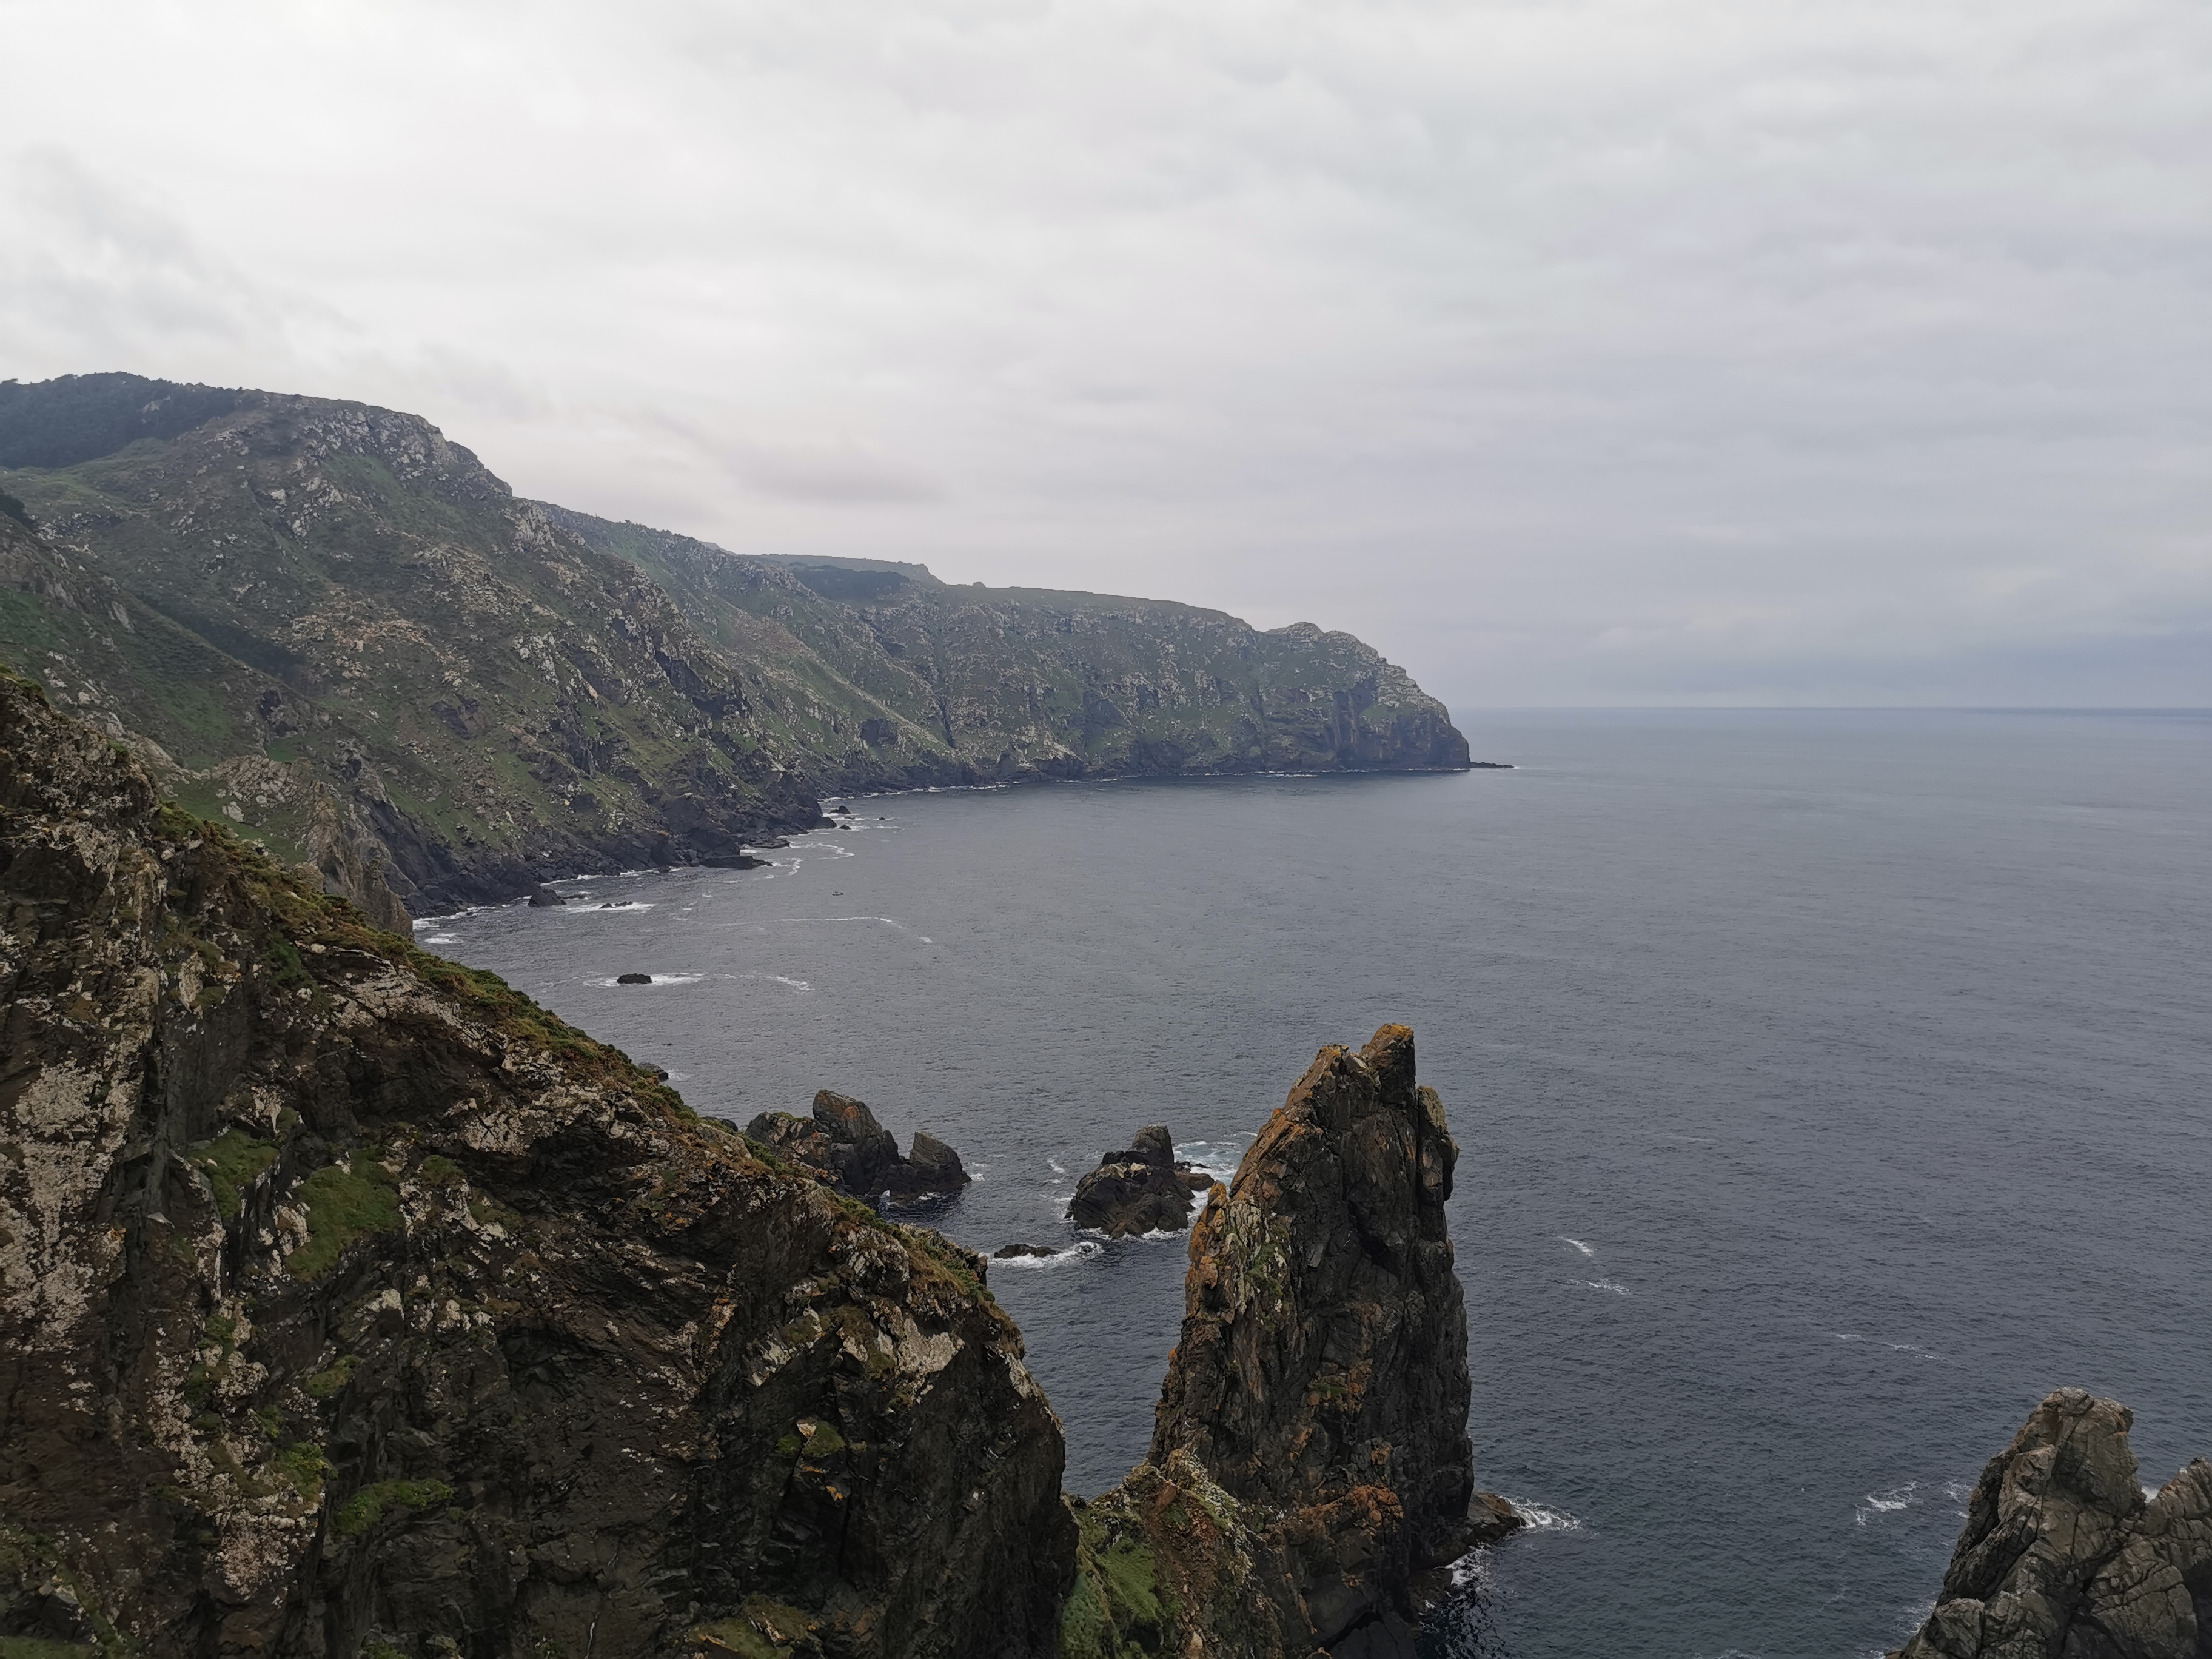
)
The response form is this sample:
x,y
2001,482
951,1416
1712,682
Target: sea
x,y
1829,1086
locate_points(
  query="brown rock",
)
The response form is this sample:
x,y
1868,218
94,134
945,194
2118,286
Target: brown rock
x,y
1314,1416
2060,1555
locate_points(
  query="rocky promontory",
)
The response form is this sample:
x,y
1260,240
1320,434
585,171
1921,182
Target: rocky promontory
x,y
1141,1189
2063,1556
843,1144
1309,1452
351,1302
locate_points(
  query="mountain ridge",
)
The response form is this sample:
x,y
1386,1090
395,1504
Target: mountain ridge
x,y
335,627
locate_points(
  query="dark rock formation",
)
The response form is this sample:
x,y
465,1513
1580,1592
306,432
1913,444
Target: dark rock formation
x,y
1006,1251
2063,1557
1140,1190
545,898
633,979
843,1145
352,1303
1309,1454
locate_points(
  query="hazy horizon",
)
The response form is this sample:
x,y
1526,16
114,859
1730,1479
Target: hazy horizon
x,y
1588,354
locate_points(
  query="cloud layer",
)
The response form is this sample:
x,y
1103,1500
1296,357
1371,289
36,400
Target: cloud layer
x,y
1595,351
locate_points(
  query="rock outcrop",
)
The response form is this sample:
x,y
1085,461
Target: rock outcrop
x,y
2064,1558
1310,1452
843,1144
1141,1190
352,1303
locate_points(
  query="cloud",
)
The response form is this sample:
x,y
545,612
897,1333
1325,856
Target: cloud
x,y
1596,350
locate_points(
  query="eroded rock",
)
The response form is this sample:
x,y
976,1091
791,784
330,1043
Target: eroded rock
x,y
1140,1190
1310,1452
842,1143
349,1302
2063,1556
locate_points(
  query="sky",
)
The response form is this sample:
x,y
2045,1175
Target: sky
x,y
1573,352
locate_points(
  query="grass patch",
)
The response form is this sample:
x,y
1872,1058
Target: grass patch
x,y
322,1384
304,1467
368,1506
343,1206
233,1161
436,1170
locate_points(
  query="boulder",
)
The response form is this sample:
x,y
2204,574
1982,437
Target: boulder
x,y
1140,1190
633,979
843,1145
545,898
2062,1555
1005,1251
1315,1409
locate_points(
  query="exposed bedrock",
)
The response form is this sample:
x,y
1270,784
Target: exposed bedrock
x,y
352,1303
843,1145
1309,1454
1140,1190
2064,1558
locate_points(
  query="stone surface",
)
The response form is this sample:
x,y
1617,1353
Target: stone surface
x,y
1310,1453
1140,1190
352,1303
2063,1557
843,1145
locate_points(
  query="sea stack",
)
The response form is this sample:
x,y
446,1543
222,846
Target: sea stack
x,y
1140,1190
2064,1558
1310,1452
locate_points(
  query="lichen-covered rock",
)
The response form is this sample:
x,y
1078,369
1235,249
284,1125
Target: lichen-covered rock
x,y
1310,1453
349,1302
2063,1557
1140,1190
843,1145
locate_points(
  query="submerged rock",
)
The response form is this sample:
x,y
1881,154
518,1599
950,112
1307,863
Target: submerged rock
x,y
1140,1190
349,1302
1006,1251
843,1145
2063,1557
1309,1452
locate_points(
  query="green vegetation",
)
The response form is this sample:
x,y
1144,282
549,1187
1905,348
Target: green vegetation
x,y
437,1170
304,1467
342,1203
367,1506
324,1383
234,1161
1116,1610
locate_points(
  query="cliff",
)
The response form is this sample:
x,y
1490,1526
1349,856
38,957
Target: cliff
x,y
1309,1454
351,1303
2062,1557
288,603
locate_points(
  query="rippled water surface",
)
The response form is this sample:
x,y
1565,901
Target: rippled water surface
x,y
1829,1086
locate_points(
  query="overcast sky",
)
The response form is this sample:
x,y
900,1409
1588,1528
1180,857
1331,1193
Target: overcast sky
x,y
1734,351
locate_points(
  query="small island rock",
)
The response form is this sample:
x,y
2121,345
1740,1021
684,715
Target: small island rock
x,y
1140,1190
545,898
843,1145
633,979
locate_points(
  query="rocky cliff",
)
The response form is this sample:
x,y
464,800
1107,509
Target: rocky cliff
x,y
2062,1557
1309,1455
282,601
351,1303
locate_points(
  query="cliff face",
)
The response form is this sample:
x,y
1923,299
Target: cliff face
x,y
282,598
2064,1558
1309,1455
349,1302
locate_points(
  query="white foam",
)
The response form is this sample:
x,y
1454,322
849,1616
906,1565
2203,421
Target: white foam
x,y
1542,1517
606,907
1216,1158
443,939
1159,1236
657,980
1082,1250
779,979
1577,1243
1887,1503
1607,1285
1053,1163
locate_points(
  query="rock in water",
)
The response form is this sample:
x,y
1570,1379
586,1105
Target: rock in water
x,y
633,979
844,1145
1141,1190
1310,1452
545,898
2061,1557
352,1303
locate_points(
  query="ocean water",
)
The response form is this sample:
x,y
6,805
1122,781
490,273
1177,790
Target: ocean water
x,y
1829,1086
